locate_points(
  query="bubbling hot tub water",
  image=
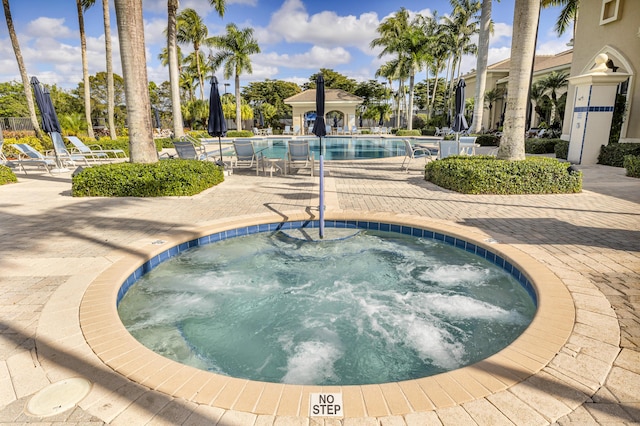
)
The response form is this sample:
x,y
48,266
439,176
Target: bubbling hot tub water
x,y
377,307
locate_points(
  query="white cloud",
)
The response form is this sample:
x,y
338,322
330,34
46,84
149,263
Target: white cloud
x,y
293,24
50,27
154,32
316,57
553,46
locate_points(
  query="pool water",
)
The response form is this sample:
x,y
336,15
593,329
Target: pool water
x,y
377,307
337,148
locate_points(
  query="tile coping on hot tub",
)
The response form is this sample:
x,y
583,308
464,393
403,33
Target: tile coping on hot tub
x,y
527,355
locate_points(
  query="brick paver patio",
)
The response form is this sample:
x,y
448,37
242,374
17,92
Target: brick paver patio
x,y
52,246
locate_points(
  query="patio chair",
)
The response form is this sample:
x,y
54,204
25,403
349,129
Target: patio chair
x,y
299,156
94,151
62,155
355,130
468,145
246,156
29,156
187,150
296,130
448,148
287,130
413,152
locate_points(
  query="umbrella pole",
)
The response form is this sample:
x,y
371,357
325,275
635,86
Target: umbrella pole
x,y
220,146
321,191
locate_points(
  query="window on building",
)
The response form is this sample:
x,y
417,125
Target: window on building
x,y
609,11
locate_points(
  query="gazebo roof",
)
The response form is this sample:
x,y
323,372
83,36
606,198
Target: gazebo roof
x,y
331,96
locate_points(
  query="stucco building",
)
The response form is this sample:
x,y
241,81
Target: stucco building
x,y
611,27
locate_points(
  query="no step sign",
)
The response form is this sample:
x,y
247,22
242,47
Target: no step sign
x,y
325,405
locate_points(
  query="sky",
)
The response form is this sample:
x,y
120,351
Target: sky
x,y
296,37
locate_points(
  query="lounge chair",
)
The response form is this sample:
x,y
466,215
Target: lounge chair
x,y
287,130
413,152
327,129
186,150
94,151
296,130
62,155
355,130
448,148
246,156
29,156
299,156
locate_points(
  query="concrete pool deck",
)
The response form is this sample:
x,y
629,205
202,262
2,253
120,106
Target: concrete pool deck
x,y
54,246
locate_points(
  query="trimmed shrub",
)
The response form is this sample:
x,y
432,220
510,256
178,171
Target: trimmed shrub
x,y
488,140
632,164
239,133
562,149
403,132
540,146
489,175
6,175
614,153
428,131
164,178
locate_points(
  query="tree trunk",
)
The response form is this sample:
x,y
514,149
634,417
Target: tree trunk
x,y
109,55
85,71
481,73
412,79
238,101
197,53
23,70
136,86
174,71
525,23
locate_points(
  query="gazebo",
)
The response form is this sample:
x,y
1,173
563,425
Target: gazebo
x,y
335,100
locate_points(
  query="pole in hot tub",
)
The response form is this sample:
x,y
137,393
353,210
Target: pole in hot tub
x,y
320,130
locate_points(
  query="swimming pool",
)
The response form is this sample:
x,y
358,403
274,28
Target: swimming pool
x,y
336,148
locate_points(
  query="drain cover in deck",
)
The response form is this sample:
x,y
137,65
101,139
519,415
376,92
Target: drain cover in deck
x,y
58,397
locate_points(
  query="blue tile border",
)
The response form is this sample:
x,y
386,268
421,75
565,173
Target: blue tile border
x,y
494,258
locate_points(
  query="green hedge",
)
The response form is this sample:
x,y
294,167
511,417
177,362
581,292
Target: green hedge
x,y
6,175
488,140
164,178
540,146
562,149
632,164
239,133
614,153
489,175
403,132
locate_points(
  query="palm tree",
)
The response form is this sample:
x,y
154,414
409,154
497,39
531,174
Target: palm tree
x,y
172,53
536,96
23,70
490,98
191,29
132,53
553,82
462,25
481,66
109,62
235,49
525,24
396,39
82,6
569,13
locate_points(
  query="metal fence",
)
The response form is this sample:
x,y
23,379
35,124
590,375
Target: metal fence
x,y
16,124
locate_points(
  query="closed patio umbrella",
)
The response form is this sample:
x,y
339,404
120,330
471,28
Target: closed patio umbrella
x,y
217,126
320,130
459,122
50,121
